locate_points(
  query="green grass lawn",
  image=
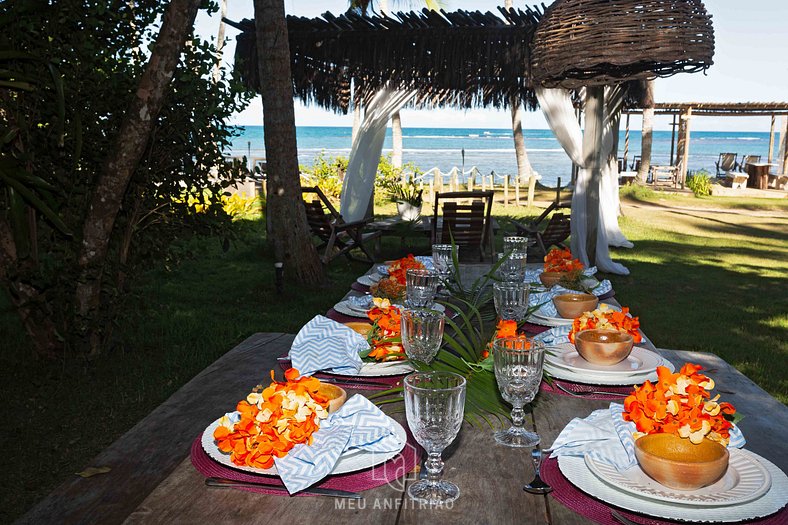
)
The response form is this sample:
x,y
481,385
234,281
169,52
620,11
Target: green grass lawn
x,y
700,280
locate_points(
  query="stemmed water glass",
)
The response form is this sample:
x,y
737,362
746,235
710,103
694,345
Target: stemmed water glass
x,y
511,300
512,268
421,287
422,333
434,406
518,371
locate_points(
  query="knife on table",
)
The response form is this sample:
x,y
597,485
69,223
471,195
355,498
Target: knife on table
x,y
317,491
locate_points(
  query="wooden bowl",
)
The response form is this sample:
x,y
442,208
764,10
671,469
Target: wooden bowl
x,y
550,278
336,396
603,347
573,305
359,327
678,463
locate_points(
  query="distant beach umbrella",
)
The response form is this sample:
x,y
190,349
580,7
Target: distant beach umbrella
x,y
599,42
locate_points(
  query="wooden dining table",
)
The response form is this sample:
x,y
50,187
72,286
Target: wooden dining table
x,y
152,479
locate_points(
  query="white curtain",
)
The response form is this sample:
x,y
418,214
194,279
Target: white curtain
x,y
559,112
362,167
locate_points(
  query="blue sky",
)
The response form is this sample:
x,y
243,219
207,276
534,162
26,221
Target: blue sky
x,y
750,65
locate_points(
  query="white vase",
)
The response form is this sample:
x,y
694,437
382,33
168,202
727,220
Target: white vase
x,y
408,211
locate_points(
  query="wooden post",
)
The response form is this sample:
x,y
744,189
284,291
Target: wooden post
x,y
592,146
685,160
455,186
626,144
680,145
517,190
432,190
673,141
771,140
506,190
484,182
471,177
784,147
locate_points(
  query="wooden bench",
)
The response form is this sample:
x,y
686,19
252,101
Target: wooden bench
x,y
736,179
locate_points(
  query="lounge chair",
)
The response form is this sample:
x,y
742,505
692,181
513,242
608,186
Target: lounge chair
x,y
636,162
468,225
664,175
556,231
747,159
336,236
726,162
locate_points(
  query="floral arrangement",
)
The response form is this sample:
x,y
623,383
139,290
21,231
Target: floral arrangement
x,y
393,286
399,268
384,337
680,404
388,288
609,319
272,420
558,260
505,328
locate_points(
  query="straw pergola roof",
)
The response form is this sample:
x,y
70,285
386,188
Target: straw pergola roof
x,y
460,59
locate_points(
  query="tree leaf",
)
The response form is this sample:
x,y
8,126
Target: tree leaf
x,y
93,471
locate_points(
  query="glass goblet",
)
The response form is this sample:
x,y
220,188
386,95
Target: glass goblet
x,y
421,287
518,371
441,258
511,300
422,333
512,268
434,406
515,244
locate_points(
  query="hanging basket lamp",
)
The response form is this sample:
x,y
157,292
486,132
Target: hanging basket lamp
x,y
597,42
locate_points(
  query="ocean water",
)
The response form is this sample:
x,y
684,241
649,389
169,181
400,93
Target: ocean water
x,y
492,150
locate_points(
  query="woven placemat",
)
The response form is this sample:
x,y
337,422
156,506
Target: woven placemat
x,y
393,469
599,511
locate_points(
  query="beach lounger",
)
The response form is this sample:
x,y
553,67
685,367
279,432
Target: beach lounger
x,y
336,236
726,162
466,224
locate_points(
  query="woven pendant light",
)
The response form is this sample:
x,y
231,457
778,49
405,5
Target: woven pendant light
x,y
596,42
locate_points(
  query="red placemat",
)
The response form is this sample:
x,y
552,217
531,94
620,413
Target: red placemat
x,y
357,286
579,388
534,328
393,469
342,318
594,509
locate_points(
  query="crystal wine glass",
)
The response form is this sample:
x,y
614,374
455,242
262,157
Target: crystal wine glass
x,y
518,371
434,406
422,333
511,300
421,287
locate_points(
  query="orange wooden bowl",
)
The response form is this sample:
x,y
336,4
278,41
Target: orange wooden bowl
x,y
603,347
573,305
550,278
678,463
336,396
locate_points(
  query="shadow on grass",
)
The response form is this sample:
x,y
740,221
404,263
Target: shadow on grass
x,y
687,305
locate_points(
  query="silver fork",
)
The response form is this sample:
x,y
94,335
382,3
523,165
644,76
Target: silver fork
x,y
589,392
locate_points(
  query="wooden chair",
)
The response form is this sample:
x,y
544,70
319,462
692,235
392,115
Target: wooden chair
x,y
664,175
556,231
726,162
467,224
636,162
746,159
337,237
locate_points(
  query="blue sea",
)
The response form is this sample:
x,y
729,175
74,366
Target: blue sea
x,y
492,150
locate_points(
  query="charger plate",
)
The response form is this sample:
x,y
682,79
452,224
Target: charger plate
x,y
745,480
578,473
592,378
349,461
369,279
640,361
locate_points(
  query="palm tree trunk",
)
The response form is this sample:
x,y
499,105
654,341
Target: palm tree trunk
x,y
217,68
396,139
646,137
122,161
290,234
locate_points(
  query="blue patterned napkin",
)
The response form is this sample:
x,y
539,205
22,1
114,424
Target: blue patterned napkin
x,y
358,425
548,308
324,344
607,438
555,336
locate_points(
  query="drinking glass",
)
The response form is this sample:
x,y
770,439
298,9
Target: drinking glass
x,y
441,258
511,300
422,333
515,244
434,406
518,371
420,287
512,269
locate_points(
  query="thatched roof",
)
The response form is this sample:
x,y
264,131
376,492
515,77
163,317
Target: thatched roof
x,y
460,59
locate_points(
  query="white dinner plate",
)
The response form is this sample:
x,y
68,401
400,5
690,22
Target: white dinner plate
x,y
745,480
380,369
349,461
369,279
346,308
537,318
640,361
578,473
591,378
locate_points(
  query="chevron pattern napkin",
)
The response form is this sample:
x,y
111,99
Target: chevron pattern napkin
x,y
324,344
607,438
548,308
358,425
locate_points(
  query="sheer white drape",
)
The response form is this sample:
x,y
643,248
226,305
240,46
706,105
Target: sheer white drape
x,y
362,167
557,106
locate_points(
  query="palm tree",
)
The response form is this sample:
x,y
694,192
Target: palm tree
x,y
646,137
217,68
290,234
